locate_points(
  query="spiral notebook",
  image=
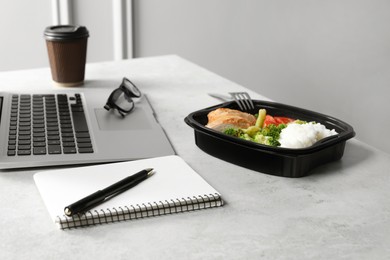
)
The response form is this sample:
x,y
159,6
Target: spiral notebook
x,y
175,187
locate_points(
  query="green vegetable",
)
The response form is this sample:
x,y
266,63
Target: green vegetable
x,y
273,130
262,139
246,137
252,130
261,118
301,122
268,135
234,132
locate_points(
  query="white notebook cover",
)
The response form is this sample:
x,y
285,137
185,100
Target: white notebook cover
x,y
173,180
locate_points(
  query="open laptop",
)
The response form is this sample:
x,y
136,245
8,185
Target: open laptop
x,y
50,129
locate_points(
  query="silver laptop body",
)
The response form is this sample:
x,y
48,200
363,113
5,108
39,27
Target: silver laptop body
x,y
110,137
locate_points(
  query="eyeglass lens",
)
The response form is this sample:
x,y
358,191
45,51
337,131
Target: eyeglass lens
x,y
134,91
121,100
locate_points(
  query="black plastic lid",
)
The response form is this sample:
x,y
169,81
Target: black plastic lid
x,y
65,32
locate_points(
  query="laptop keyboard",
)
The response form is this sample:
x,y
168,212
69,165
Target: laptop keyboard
x,y
48,124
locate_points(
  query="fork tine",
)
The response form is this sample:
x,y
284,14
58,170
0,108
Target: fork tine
x,y
243,100
249,100
238,101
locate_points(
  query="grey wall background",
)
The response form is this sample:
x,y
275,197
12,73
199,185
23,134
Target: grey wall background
x,y
329,56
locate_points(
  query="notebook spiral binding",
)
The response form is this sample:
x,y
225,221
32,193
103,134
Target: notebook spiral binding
x,y
150,209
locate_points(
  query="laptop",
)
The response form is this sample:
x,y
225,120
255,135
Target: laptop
x,y
72,127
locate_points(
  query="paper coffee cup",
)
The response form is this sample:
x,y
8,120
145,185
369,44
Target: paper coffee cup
x,y
67,51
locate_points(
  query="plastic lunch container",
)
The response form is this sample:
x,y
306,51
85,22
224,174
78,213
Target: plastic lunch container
x,y
278,161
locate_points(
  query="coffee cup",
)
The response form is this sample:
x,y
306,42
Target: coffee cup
x,y
67,51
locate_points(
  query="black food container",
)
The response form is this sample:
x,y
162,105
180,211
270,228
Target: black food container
x,y
278,161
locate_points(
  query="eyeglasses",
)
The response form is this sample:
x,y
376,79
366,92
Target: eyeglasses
x,y
121,98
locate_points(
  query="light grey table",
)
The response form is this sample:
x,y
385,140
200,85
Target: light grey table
x,y
341,211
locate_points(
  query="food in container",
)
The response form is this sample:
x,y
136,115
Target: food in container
x,y
275,160
265,129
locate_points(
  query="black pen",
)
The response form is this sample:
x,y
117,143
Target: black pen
x,y
100,196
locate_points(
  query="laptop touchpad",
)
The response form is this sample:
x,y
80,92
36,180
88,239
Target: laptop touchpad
x,y
112,121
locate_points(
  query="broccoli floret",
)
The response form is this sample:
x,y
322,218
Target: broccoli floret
x,y
267,140
246,137
233,132
262,139
274,142
239,133
273,130
271,134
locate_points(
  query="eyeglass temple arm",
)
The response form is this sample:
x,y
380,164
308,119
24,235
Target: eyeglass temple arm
x,y
107,107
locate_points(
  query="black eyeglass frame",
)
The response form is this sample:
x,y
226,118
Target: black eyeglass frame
x,y
129,90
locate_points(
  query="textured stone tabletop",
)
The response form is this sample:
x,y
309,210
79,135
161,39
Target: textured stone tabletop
x,y
340,211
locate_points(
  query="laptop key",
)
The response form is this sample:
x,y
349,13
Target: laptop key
x,y
25,128
39,134
39,144
39,122
83,140
54,124
51,133
80,122
24,147
24,142
84,145
54,142
39,150
66,125
11,153
39,139
24,124
85,150
68,144
67,139
24,152
54,149
67,135
66,130
69,150
38,130
82,135
52,128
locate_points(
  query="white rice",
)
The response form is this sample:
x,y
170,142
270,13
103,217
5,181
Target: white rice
x,y
303,135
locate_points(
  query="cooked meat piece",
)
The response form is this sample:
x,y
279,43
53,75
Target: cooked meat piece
x,y
223,118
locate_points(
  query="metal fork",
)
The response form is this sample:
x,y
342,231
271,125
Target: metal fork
x,y
243,100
